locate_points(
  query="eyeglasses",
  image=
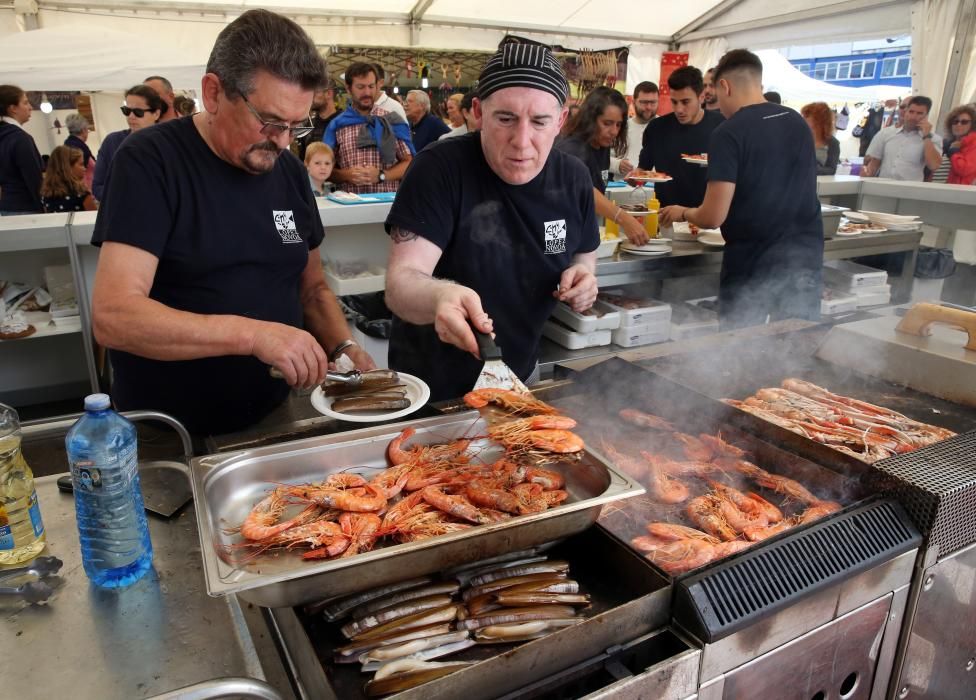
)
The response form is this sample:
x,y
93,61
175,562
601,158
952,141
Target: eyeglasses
x,y
961,121
274,129
138,111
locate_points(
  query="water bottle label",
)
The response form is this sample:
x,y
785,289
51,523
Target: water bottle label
x,y
35,515
86,476
6,535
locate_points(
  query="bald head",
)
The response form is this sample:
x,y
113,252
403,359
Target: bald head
x,y
165,90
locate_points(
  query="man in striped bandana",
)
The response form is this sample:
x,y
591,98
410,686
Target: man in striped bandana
x,y
490,229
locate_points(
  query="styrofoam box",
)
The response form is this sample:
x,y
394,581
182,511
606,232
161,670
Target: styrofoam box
x,y
631,337
839,303
654,311
689,321
873,299
587,324
558,333
872,291
846,275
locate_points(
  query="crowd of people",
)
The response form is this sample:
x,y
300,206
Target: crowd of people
x,y
494,222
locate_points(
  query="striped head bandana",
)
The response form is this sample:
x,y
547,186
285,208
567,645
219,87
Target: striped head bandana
x,y
523,65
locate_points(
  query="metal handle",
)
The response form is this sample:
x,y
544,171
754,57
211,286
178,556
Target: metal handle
x,y
486,346
352,377
53,427
223,688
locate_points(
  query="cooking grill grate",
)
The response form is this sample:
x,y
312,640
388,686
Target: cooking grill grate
x,y
733,595
937,486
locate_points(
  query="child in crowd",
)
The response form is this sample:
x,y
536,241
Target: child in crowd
x,y
63,188
318,161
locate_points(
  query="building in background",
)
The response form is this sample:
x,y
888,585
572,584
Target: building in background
x,y
856,64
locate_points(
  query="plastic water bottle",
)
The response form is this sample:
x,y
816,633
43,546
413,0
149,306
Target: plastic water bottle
x,y
115,546
21,528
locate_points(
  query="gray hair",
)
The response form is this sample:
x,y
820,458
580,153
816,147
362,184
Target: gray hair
x,y
75,123
263,40
421,97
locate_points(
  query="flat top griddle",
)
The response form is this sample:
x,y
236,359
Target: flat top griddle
x,y
736,369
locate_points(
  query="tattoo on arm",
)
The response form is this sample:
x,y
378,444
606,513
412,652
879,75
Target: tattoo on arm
x,y
400,235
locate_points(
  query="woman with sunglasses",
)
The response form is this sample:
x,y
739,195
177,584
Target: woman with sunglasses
x,y
960,145
143,107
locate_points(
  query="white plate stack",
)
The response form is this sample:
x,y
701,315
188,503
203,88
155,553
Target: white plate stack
x,y
868,285
893,222
643,324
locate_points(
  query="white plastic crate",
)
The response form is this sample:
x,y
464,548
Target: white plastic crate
x,y
642,311
604,317
847,275
558,333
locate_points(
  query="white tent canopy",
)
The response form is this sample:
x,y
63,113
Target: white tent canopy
x,y
780,75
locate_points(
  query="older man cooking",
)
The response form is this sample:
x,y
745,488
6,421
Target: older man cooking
x,y
490,229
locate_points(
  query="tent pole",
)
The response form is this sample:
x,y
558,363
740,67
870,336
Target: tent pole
x,y
962,49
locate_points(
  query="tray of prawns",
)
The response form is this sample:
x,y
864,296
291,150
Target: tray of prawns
x,y
291,523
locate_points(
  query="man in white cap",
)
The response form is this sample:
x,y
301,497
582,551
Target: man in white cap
x,y
490,229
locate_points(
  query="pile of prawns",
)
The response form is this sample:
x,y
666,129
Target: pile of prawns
x,y
857,428
726,519
428,490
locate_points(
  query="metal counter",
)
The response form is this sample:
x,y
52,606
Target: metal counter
x,y
160,634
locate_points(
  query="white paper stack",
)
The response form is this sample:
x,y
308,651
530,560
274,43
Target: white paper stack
x,y
868,285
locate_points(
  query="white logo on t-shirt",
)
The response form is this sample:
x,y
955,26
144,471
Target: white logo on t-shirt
x,y
285,223
555,237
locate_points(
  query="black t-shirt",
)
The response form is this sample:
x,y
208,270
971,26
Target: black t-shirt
x,y
596,160
774,235
510,243
665,139
228,243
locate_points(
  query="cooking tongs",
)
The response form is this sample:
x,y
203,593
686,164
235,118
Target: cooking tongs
x,y
36,590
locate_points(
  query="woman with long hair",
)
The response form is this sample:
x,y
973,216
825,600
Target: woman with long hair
x,y
454,117
598,127
142,107
820,118
64,188
959,145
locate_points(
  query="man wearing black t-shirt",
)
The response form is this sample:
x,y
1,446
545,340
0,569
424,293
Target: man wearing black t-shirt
x,y
762,191
491,229
686,130
209,269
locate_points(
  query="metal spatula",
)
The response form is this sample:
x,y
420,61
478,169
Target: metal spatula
x,y
495,374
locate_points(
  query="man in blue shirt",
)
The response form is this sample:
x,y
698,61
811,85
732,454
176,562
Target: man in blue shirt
x,y
424,127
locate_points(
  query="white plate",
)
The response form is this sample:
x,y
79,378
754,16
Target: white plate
x,y
917,226
607,247
713,239
640,178
874,229
417,391
883,217
647,249
857,217
695,161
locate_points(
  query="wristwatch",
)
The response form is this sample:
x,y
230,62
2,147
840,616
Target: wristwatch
x,y
341,348
382,176
927,136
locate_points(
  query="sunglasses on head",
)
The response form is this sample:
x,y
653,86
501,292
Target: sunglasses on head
x,y
138,111
959,120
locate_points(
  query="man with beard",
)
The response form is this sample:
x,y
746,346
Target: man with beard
x,y
686,130
372,146
209,270
323,112
646,97
709,97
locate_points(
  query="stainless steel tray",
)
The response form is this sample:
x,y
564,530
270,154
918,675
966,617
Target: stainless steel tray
x,y
226,486
632,601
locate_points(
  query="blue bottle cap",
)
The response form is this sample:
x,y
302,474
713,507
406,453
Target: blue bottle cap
x,y
97,402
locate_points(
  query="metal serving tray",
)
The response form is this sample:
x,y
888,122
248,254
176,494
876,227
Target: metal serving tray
x,y
631,601
226,486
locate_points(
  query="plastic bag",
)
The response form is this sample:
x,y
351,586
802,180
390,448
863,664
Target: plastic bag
x,y
843,118
369,313
934,263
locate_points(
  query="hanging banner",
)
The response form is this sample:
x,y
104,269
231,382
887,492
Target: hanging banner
x,y
670,62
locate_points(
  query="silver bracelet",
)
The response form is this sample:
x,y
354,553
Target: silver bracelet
x,y
341,348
